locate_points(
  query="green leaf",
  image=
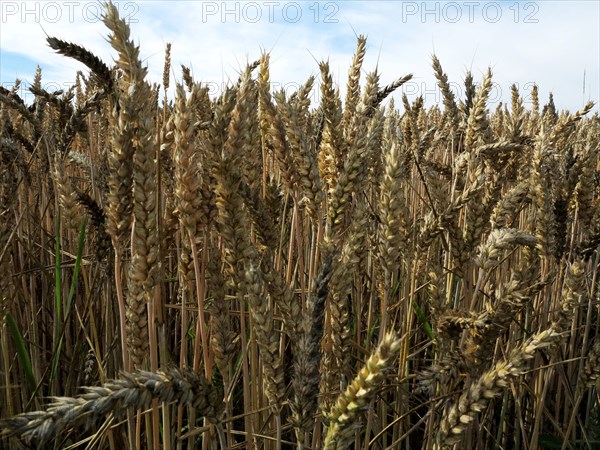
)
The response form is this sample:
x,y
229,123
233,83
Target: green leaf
x,y
22,353
423,320
79,256
61,325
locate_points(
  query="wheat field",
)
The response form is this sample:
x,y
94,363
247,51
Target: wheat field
x,y
260,271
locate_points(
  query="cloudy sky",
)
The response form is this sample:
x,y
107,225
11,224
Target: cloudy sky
x,y
552,43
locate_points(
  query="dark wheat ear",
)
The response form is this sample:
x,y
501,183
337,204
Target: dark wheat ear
x,y
137,390
83,55
307,353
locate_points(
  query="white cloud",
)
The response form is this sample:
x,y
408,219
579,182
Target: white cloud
x,y
217,38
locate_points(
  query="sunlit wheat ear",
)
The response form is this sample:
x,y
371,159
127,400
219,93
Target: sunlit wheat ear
x,y
331,150
273,134
591,369
263,219
336,361
167,68
465,227
354,172
359,393
267,338
583,194
457,418
353,85
566,124
120,176
451,109
71,213
186,164
309,180
434,226
573,291
134,130
393,211
477,125
137,390
232,217
223,336
541,195
500,240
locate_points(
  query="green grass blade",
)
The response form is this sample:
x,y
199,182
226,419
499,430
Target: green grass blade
x,y
76,269
78,257
57,279
22,353
424,321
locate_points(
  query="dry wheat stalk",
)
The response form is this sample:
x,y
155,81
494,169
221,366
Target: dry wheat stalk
x,y
8,190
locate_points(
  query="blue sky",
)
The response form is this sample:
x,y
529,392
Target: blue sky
x,y
551,43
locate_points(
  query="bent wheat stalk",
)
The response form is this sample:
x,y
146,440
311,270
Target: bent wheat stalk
x,y
138,390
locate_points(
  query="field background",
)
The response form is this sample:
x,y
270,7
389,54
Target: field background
x,y
258,270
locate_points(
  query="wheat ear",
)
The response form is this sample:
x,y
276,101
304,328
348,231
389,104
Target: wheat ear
x,y
359,393
488,386
138,390
307,353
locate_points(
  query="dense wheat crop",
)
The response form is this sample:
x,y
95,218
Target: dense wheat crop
x,y
262,271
